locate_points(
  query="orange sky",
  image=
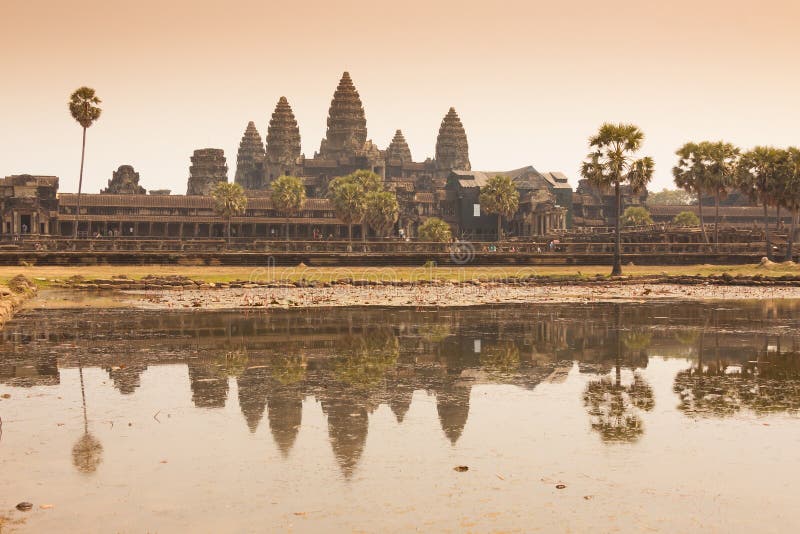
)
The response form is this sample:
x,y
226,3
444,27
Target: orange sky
x,y
530,80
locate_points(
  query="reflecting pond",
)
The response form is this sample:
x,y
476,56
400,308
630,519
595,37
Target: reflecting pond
x,y
660,416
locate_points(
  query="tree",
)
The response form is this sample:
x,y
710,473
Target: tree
x,y
349,201
690,174
757,176
368,180
229,201
671,197
435,230
686,218
83,108
636,216
791,196
500,196
288,196
611,164
382,211
349,197
722,160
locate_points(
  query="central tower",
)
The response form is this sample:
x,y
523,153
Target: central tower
x,y
347,124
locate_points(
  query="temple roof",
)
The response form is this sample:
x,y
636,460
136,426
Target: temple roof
x,y
251,140
452,149
398,148
347,123
283,134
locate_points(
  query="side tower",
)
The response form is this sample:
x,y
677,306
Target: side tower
x,y
452,150
398,150
208,167
347,123
124,181
250,159
283,142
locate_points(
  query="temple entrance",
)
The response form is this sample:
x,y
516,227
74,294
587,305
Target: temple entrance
x,y
25,224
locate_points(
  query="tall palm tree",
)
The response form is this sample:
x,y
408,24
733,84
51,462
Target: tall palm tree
x,y
791,196
500,196
723,159
83,108
229,201
349,197
611,164
757,175
288,195
690,174
382,211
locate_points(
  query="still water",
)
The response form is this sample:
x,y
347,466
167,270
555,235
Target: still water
x,y
671,417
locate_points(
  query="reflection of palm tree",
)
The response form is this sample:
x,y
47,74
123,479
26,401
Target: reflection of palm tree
x,y
614,407
87,453
501,358
364,360
769,384
289,369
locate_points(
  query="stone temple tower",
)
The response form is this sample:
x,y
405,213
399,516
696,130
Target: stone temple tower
x,y
452,150
283,142
398,149
250,159
208,167
347,124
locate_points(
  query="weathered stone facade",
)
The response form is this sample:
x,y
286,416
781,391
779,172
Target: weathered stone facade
x,y
208,167
124,181
26,204
250,159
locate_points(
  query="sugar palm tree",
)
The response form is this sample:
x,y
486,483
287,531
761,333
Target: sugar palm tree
x,y
87,453
611,164
382,211
791,196
349,200
500,196
288,195
690,174
723,158
349,197
83,108
757,176
435,230
229,201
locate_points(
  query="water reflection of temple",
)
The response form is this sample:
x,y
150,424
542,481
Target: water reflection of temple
x,y
354,361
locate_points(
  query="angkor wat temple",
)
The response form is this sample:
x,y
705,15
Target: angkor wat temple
x,y
444,186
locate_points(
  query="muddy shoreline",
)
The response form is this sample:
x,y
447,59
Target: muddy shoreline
x,y
429,295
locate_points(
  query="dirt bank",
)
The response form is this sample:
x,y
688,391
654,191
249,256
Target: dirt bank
x,y
18,290
441,295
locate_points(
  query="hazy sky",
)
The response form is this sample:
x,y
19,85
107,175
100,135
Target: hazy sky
x,y
531,80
